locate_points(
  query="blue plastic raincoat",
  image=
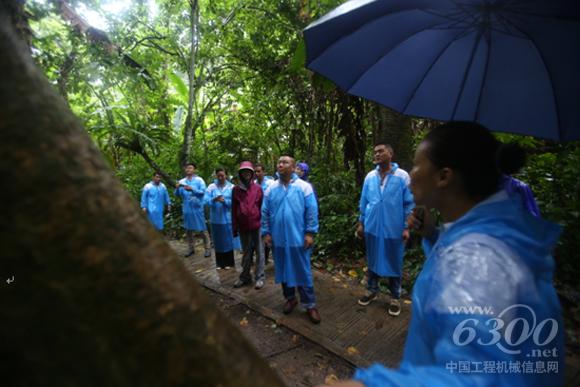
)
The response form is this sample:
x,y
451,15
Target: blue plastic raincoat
x,y
521,191
485,312
383,214
193,216
288,213
220,216
154,198
268,181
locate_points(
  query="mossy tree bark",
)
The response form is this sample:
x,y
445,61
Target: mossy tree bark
x,y
98,299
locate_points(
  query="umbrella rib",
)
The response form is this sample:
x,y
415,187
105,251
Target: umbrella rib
x,y
386,53
476,118
549,76
429,69
329,46
466,72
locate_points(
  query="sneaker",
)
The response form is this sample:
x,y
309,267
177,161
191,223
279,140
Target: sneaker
x,y
219,268
395,307
189,254
313,315
367,299
259,284
289,306
239,283
227,267
207,253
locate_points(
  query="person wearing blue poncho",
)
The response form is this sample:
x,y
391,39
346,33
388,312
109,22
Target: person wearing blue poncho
x,y
485,312
385,203
218,197
264,182
289,222
154,200
191,189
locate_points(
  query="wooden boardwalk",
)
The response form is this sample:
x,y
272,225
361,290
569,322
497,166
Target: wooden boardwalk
x,y
361,335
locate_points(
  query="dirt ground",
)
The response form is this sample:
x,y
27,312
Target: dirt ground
x,y
299,362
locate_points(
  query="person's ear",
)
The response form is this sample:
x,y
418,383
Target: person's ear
x,y
445,177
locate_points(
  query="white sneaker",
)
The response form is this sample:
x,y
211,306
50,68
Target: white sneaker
x,y
395,307
259,284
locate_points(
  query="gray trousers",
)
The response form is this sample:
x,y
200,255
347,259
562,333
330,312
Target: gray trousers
x,y
251,243
191,235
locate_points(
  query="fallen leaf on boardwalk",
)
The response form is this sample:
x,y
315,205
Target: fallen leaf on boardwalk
x,y
365,269
345,286
330,379
244,322
198,271
336,279
274,326
406,302
295,338
352,351
353,273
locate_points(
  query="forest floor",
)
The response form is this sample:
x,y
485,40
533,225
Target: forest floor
x,y
305,354
298,361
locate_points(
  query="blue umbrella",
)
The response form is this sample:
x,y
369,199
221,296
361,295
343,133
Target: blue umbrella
x,y
511,65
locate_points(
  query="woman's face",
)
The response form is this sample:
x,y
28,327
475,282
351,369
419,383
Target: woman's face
x,y
299,171
221,177
424,178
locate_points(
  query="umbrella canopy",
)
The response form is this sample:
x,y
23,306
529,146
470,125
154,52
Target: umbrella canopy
x,y
511,65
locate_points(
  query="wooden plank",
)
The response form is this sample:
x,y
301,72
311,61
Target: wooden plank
x,y
347,329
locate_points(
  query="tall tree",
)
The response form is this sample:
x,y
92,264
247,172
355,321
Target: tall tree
x,y
98,298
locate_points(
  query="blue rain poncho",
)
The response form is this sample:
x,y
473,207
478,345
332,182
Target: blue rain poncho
x,y
383,214
193,216
154,198
266,182
522,192
220,216
288,213
485,312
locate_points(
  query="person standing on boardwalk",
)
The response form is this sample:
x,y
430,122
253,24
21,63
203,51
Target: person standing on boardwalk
x,y
385,203
154,200
191,189
485,310
218,197
264,182
289,223
246,204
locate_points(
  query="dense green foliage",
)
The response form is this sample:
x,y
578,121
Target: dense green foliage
x,y
230,75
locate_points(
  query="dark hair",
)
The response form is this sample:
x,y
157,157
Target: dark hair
x,y
157,174
472,151
511,158
386,144
220,169
259,165
190,163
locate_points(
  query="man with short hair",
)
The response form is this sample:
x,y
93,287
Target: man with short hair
x,y
289,223
385,203
154,200
191,189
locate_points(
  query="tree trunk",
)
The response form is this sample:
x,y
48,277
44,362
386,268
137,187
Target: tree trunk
x,y
395,129
189,130
97,297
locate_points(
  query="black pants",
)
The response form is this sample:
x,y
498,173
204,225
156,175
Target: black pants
x,y
224,259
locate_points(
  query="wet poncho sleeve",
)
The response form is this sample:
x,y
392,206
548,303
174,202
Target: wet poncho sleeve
x,y
144,197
